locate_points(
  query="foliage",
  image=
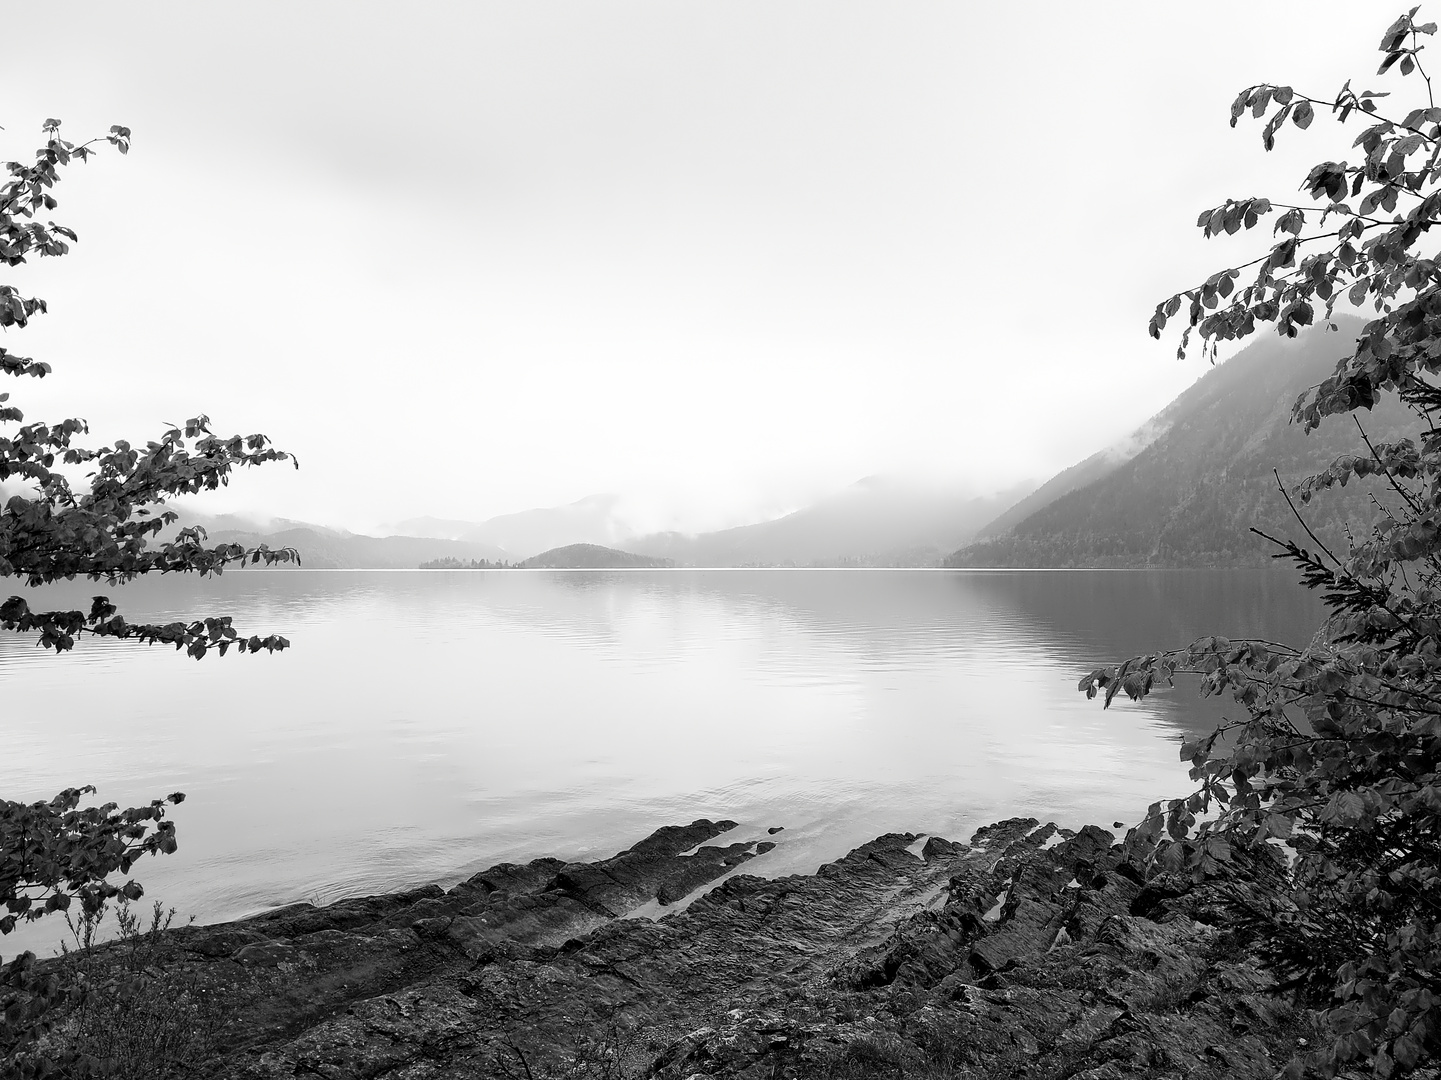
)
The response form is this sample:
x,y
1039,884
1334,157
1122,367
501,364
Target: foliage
x,y
106,528
55,850
1337,753
136,1014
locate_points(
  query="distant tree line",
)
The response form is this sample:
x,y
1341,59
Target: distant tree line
x,y
450,562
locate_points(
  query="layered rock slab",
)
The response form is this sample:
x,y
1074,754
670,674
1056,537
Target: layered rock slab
x,y
1031,951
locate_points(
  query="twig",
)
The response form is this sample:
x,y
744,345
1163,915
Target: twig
x,y
1416,48
1385,468
1314,538
514,1048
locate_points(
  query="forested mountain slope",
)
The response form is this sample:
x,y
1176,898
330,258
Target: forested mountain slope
x,y
1096,467
1190,497
592,557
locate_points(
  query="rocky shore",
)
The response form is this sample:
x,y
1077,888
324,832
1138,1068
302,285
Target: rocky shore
x,y
1029,951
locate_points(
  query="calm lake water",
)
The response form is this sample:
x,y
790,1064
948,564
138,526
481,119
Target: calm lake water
x,y
428,724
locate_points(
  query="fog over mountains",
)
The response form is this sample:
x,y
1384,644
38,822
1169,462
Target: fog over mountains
x,y
874,522
1182,490
878,521
323,548
596,519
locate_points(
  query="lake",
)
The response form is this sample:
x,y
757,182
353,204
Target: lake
x,y
427,724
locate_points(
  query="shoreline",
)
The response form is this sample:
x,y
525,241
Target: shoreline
x,y
1227,569
1028,945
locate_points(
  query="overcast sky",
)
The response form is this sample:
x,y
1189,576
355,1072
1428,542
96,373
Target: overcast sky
x,y
469,258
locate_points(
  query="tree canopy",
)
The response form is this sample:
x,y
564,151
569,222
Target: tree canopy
x,y
74,511
1336,754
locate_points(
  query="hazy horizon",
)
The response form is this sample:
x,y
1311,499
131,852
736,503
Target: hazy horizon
x,y
721,261
640,515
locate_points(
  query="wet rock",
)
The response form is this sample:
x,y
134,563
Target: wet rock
x,y
617,885
688,874
547,903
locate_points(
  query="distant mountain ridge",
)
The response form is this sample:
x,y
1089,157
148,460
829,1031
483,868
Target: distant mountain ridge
x,y
877,521
323,548
593,520
1190,496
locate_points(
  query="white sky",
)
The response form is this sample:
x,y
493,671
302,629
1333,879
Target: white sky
x,y
469,258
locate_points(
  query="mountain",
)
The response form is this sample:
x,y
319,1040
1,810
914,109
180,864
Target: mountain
x,y
1096,467
1203,473
322,548
591,557
593,520
878,521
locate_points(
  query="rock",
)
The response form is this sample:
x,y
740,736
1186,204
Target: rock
x,y
1030,927
1152,899
880,963
342,915
513,878
266,954
705,865
775,829
217,941
1092,1026
936,847
1108,1071
547,902
620,884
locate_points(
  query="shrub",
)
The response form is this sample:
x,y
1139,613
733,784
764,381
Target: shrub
x,y
56,851
1337,752
134,1014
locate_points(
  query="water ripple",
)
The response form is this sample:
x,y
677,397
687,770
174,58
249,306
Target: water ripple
x,y
426,725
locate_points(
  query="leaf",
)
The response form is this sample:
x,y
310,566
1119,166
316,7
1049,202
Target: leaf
x,y
1303,115
1407,1052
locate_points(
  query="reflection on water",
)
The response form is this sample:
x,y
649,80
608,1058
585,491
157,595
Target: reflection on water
x,y
426,724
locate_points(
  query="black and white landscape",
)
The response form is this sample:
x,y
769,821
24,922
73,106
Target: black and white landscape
x,y
789,540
